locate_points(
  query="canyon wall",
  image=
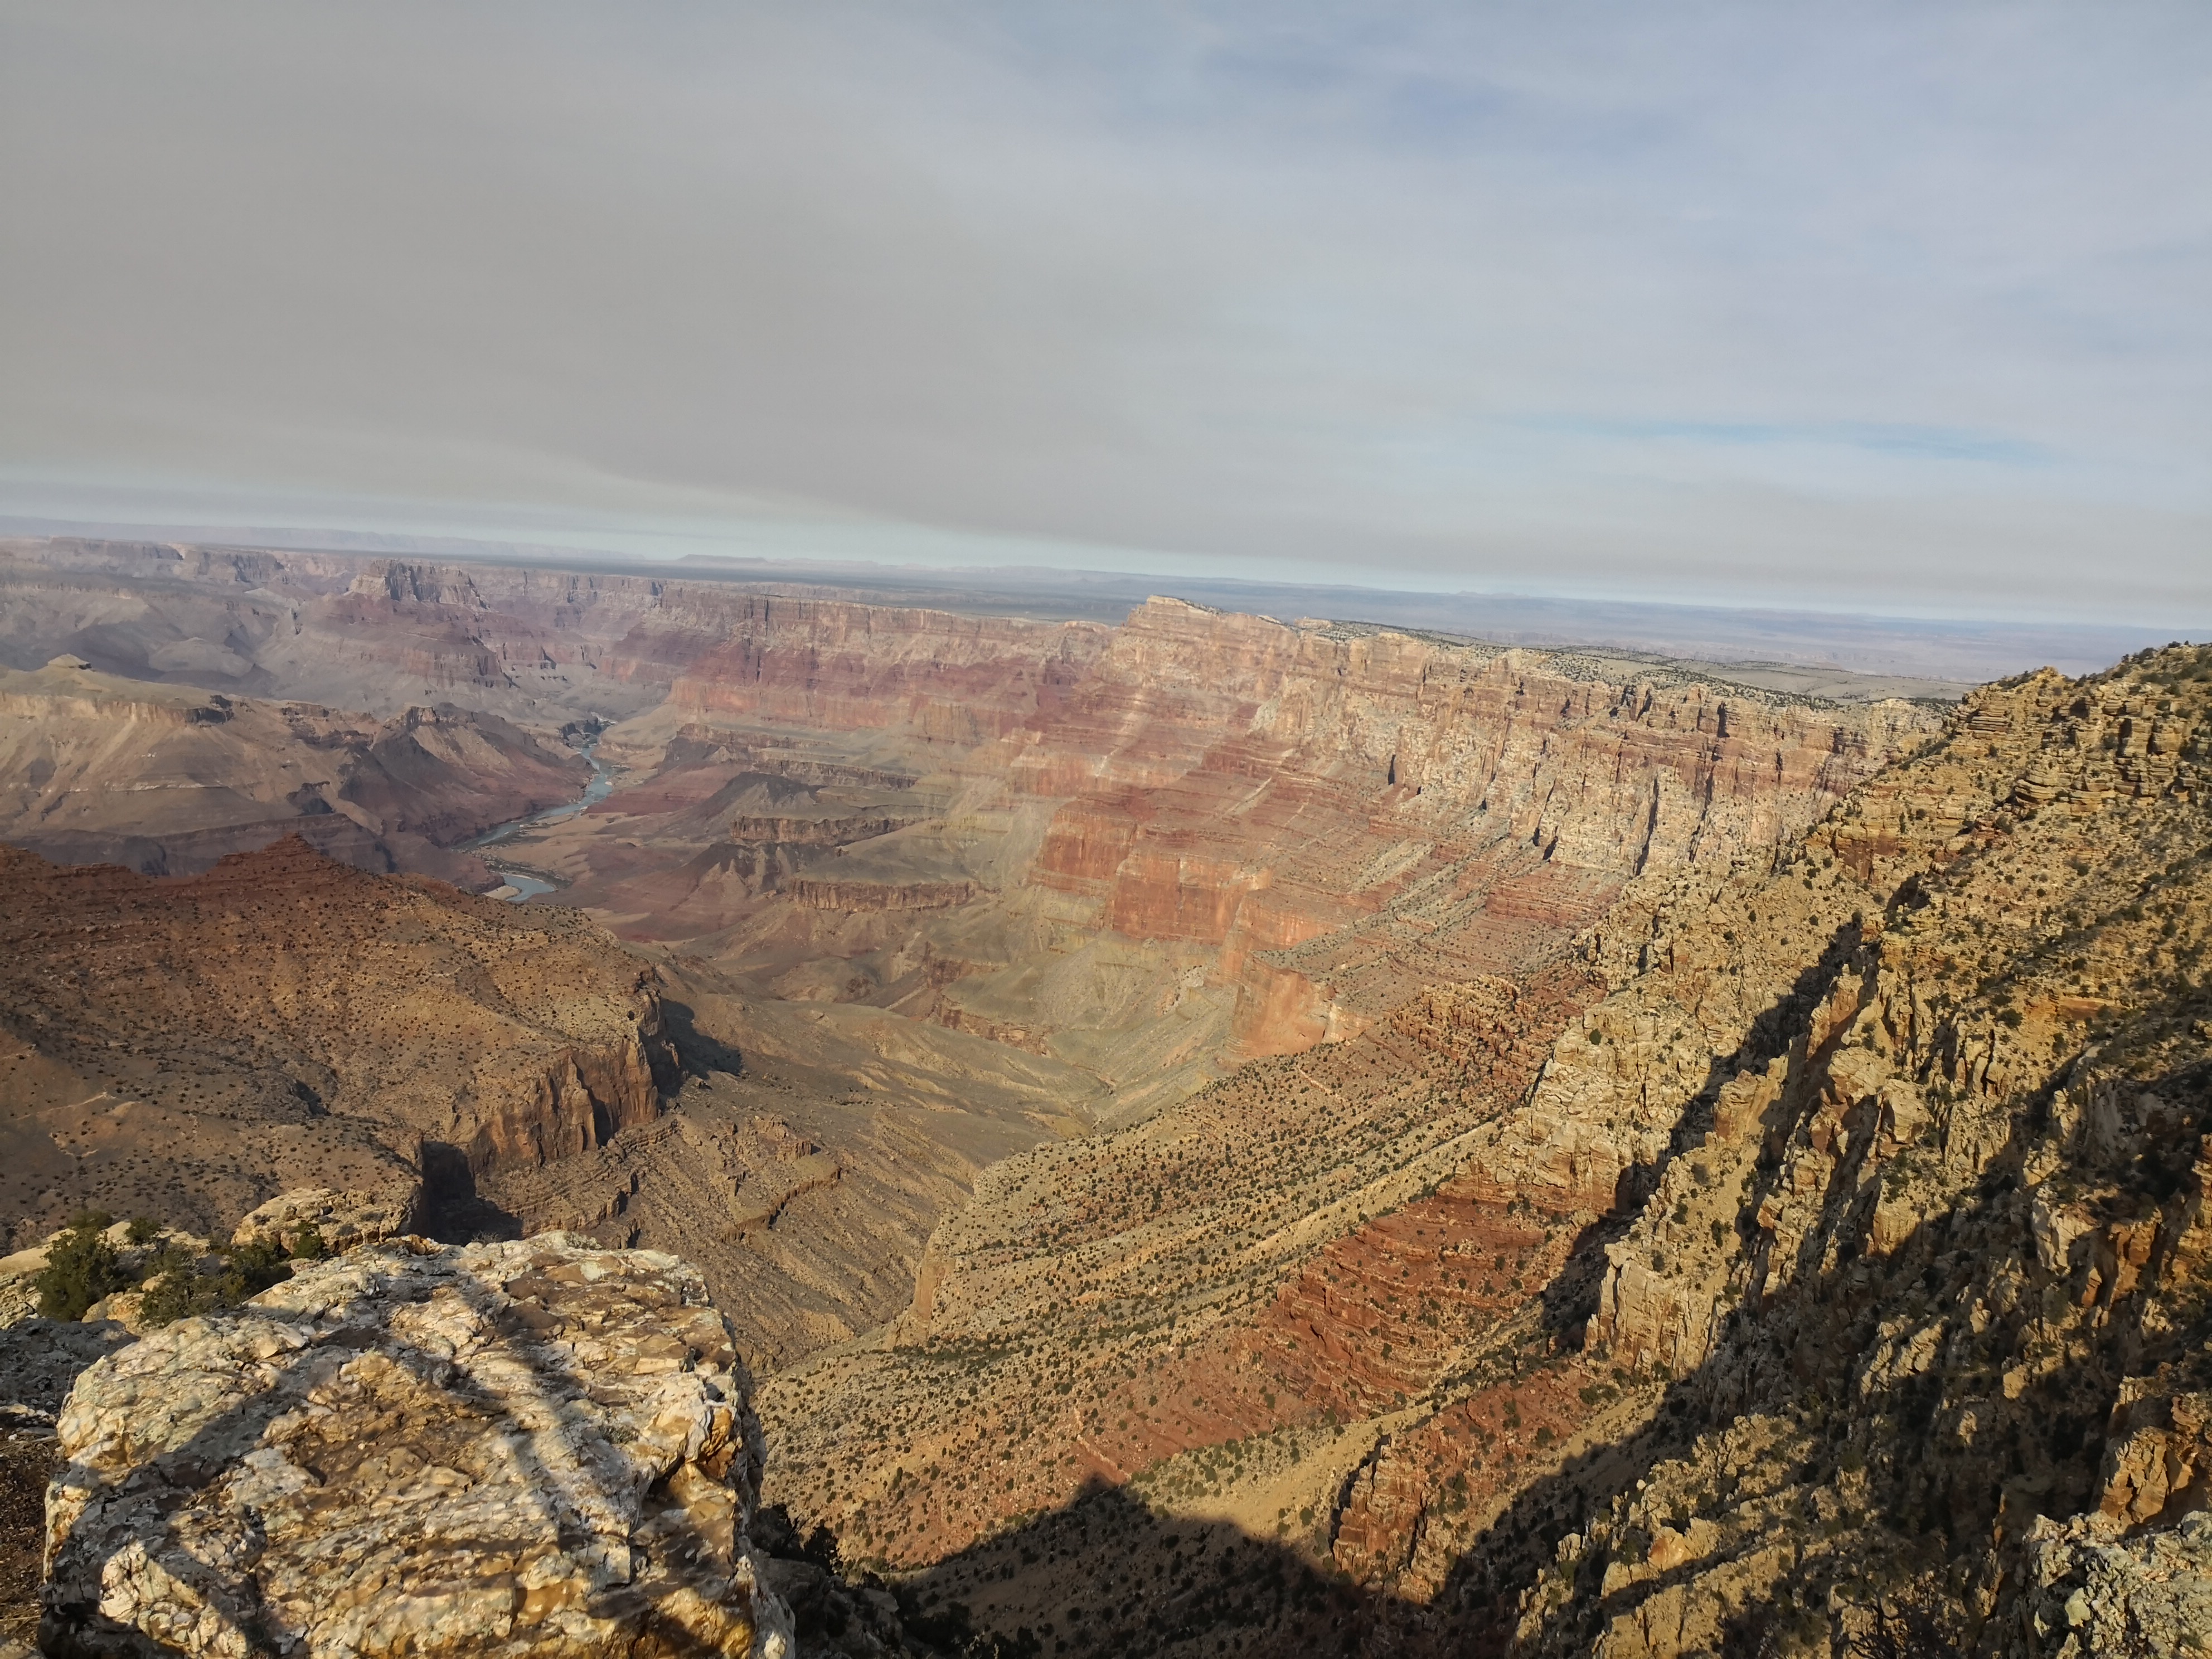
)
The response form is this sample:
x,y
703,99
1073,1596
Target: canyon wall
x,y
1814,1260
1315,819
1345,814
184,1048
1148,851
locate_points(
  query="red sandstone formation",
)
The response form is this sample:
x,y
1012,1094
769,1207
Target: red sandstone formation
x,y
1323,817
1319,819
1863,1224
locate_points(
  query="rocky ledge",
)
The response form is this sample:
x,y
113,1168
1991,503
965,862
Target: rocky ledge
x,y
542,1446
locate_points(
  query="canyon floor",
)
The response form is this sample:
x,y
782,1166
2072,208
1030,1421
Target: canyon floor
x,y
1215,1134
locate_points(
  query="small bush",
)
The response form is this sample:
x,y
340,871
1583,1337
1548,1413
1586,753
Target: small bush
x,y
176,1289
81,1267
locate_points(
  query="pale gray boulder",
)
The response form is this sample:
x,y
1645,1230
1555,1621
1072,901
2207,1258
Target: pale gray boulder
x,y
542,1448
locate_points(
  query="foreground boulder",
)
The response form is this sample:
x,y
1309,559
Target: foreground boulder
x,y
541,1447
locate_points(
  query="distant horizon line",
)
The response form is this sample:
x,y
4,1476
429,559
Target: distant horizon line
x,y
302,538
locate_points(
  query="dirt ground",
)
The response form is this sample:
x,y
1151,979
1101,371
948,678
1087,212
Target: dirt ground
x,y
26,1460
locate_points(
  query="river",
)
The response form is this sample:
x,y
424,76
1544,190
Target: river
x,y
525,885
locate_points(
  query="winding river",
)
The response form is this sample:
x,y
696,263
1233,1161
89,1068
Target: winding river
x,y
525,885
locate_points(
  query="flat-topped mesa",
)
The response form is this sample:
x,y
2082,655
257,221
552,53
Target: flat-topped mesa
x,y
545,1446
284,1021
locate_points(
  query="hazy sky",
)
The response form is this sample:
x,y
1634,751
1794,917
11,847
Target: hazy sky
x,y
1901,308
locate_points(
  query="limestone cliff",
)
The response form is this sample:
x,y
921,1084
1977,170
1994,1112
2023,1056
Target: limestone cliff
x,y
1346,813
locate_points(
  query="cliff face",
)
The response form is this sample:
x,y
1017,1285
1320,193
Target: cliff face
x,y
837,667
1318,818
1345,814
1965,1162
184,1048
1827,1269
1312,820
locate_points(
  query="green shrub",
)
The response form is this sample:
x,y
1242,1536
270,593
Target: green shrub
x,y
176,1289
81,1267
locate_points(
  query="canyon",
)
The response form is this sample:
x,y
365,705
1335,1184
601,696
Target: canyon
x,y
1216,1134
953,885
1816,1258
165,780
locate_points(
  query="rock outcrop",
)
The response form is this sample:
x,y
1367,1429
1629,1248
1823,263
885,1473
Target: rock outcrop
x,y
337,1221
183,1050
1960,1159
541,1447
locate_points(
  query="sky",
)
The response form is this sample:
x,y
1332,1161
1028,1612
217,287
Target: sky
x,y
1894,308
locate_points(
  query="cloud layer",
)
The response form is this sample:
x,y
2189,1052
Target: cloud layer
x,y
1888,307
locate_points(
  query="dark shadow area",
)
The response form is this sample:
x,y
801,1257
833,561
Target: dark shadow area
x,y
1104,1574
27,1461
698,1054
453,1211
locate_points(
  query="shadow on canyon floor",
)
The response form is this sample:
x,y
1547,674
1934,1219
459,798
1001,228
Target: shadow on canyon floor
x,y
699,1054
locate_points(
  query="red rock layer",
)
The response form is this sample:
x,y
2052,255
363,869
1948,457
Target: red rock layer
x,y
839,667
1254,788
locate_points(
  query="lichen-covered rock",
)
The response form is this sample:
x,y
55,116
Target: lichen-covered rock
x,y
540,1448
2101,1592
341,1219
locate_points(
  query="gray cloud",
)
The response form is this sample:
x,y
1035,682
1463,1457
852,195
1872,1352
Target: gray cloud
x,y
1894,307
